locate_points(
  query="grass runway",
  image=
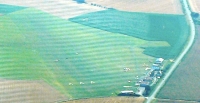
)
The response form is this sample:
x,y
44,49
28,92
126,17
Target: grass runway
x,y
38,46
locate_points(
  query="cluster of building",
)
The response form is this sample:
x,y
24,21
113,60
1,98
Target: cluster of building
x,y
150,78
144,83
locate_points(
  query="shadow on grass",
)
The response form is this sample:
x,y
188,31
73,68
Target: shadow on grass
x,y
5,9
164,52
152,27
128,95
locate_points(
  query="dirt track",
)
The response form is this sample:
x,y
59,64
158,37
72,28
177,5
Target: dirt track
x,y
17,91
195,5
157,6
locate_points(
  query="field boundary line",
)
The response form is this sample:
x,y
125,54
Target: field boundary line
x,y
190,101
182,54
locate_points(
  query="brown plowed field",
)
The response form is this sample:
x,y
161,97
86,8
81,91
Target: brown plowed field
x,y
173,101
155,6
184,83
195,5
110,100
17,91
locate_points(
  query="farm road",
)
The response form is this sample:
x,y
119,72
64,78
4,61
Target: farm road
x,y
186,49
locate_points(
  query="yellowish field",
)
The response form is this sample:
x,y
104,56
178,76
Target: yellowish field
x,y
110,100
155,6
195,5
61,8
18,91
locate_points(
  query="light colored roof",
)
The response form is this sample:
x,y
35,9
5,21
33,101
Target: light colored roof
x,y
127,91
127,86
155,67
159,60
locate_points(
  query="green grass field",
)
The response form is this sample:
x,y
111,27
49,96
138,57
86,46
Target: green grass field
x,y
153,27
38,46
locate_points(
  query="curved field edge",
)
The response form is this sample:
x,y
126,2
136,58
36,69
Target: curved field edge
x,y
183,84
182,54
38,46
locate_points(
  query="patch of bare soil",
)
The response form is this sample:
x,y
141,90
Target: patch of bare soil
x,y
154,6
110,100
17,91
195,5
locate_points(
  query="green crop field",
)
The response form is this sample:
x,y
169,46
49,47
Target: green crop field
x,y
38,46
